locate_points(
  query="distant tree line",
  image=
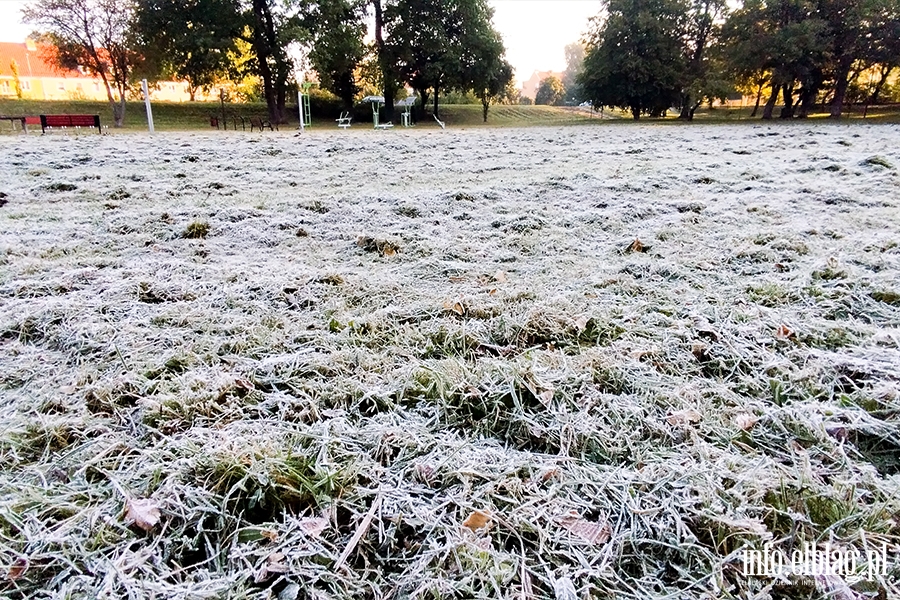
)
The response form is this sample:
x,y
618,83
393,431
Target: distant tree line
x,y
433,46
651,56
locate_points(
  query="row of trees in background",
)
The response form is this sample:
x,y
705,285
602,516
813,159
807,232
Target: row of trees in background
x,y
648,56
430,45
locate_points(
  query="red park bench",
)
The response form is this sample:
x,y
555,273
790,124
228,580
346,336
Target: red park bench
x,y
22,120
64,121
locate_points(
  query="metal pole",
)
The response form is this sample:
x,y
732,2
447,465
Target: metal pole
x,y
147,104
300,102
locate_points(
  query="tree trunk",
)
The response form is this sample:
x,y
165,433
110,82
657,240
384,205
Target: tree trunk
x,y
758,99
485,105
693,110
808,96
787,111
119,113
770,103
636,113
436,94
281,101
687,113
423,94
117,106
387,72
884,74
840,91
263,52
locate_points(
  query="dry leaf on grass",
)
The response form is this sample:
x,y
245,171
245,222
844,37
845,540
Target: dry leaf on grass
x,y
144,513
548,474
274,565
746,525
581,322
637,246
269,534
784,332
684,417
454,306
745,421
546,397
314,526
593,532
17,569
834,586
500,277
477,520
564,589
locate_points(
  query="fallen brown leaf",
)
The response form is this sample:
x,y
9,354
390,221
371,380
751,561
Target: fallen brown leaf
x,y
269,534
454,306
548,474
17,569
784,332
477,520
274,565
144,513
581,323
546,397
593,532
684,417
745,421
314,526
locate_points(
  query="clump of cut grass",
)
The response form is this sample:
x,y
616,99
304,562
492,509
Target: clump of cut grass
x,y
196,230
877,161
60,187
381,246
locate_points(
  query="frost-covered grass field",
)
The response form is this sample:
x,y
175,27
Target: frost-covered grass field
x,y
524,363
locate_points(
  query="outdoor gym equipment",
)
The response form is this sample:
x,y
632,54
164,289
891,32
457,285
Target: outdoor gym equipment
x,y
303,101
406,115
377,103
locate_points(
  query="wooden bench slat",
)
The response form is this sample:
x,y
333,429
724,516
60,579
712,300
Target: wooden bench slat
x,y
70,121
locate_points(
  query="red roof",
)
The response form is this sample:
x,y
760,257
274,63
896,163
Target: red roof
x,y
31,62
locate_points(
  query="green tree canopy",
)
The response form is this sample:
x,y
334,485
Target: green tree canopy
x,y
550,91
192,40
443,44
635,56
91,34
338,47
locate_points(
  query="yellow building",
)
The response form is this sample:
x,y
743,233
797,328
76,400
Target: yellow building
x,y
40,80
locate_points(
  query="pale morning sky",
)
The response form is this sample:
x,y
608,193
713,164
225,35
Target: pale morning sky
x,y
535,31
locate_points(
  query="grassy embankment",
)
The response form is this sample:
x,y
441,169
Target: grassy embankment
x,y
195,115
185,116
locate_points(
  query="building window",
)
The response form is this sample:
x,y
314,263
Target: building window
x,y
61,86
26,85
4,87
96,87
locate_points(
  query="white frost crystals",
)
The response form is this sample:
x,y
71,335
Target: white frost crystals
x,y
366,339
